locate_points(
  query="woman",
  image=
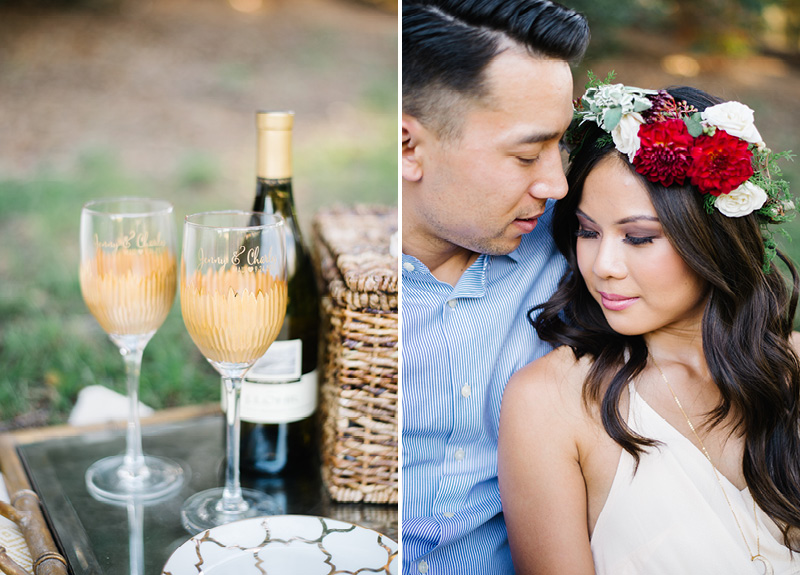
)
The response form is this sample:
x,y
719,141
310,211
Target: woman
x,y
663,436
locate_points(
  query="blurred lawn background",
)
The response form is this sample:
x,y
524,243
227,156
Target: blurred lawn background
x,y
157,98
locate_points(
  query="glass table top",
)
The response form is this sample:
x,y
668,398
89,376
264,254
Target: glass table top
x,y
105,539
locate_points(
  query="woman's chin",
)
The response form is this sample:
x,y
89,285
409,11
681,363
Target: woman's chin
x,y
627,328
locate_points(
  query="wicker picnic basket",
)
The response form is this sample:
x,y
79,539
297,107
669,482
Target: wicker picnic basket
x,y
358,404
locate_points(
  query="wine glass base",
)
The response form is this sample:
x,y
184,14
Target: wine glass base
x,y
200,511
108,479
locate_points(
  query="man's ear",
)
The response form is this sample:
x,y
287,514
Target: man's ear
x,y
413,134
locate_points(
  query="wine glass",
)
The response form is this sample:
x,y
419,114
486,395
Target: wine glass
x,y
233,300
128,276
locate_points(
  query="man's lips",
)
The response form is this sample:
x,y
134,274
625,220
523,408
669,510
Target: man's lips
x,y
616,302
527,225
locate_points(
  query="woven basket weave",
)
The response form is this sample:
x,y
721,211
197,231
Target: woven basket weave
x,y
359,386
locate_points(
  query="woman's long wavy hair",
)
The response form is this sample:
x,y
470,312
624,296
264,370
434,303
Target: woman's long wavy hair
x,y
746,326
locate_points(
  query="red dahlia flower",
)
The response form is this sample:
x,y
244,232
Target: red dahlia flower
x,y
720,163
664,155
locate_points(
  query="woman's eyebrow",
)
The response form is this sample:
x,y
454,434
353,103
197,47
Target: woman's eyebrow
x,y
627,220
582,214
631,219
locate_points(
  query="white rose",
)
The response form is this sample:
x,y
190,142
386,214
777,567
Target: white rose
x,y
736,119
626,134
744,200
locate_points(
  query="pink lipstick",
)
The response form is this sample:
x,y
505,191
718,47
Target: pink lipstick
x,y
616,302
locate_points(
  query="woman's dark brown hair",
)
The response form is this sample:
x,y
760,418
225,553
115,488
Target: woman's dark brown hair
x,y
747,323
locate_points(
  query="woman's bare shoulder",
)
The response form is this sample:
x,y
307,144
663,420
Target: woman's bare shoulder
x,y
551,384
557,369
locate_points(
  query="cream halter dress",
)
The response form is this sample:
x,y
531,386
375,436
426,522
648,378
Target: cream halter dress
x,y
671,517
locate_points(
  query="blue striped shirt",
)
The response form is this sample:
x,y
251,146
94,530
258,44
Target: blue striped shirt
x,y
460,347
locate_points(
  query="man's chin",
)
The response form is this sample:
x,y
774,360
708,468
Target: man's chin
x,y
499,247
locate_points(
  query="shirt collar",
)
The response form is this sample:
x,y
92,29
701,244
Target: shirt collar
x,y
471,284
413,265
515,255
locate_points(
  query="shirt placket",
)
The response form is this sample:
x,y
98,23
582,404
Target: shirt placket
x,y
460,449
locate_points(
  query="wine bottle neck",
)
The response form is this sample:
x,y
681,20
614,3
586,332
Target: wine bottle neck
x,y
274,155
275,196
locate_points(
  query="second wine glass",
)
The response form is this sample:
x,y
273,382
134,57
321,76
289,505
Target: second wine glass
x,y
233,299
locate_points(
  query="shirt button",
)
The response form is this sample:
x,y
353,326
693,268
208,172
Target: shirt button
x,y
449,514
408,266
459,454
451,303
466,391
422,566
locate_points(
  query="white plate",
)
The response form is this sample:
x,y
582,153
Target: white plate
x,y
284,545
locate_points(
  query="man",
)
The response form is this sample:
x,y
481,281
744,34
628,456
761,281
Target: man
x,y
487,93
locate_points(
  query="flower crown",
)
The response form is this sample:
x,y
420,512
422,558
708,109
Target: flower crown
x,y
719,150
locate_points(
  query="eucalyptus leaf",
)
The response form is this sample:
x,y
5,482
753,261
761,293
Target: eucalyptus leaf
x,y
611,118
695,127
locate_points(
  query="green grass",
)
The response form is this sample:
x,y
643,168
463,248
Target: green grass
x,y
51,347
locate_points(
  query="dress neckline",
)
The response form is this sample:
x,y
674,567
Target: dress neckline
x,y
675,431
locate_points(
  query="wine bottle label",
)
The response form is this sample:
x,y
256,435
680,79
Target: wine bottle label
x,y
278,391
279,402
282,362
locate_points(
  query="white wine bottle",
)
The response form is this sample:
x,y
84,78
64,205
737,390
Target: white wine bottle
x,y
279,395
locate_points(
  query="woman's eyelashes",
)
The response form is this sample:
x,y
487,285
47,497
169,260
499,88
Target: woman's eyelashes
x,y
638,240
633,240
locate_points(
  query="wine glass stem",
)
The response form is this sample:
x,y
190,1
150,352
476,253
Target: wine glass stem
x,y
232,501
136,537
134,464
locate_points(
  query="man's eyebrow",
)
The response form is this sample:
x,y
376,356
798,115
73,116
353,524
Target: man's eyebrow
x,y
538,137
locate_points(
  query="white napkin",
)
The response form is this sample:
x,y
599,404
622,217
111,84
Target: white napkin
x,y
98,404
11,537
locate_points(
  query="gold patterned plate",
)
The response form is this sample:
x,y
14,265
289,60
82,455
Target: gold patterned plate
x,y
284,545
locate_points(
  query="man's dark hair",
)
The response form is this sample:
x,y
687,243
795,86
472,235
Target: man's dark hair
x,y
448,44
